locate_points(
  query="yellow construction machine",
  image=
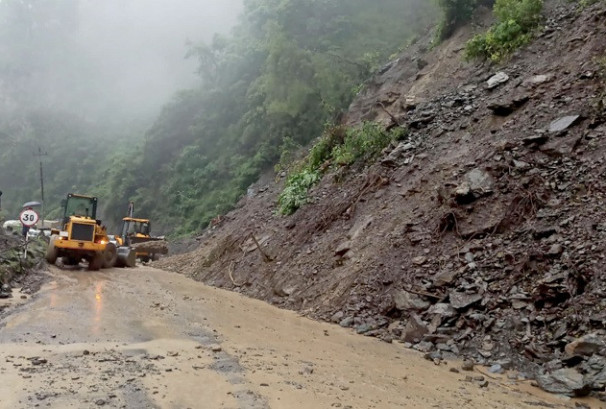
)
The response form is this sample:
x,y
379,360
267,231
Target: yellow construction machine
x,y
83,237
136,233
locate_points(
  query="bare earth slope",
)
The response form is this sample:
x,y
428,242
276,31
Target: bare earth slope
x,y
483,235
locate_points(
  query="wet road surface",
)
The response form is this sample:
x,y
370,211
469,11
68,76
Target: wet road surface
x,y
145,338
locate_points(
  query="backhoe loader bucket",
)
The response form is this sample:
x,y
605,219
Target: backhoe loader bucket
x,y
126,257
150,245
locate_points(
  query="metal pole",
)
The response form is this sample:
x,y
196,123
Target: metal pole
x,y
41,185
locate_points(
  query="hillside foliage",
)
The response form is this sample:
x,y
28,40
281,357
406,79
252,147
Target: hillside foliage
x,y
337,148
288,68
516,20
455,13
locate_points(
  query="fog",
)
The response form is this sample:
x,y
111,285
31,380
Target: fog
x,y
138,46
104,58
79,76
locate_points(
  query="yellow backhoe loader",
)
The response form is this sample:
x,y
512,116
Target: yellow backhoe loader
x,y
136,233
83,237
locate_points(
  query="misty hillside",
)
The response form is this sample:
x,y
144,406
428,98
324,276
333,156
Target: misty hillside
x,y
459,205
83,81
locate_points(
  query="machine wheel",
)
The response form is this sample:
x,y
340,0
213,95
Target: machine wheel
x,y
51,251
155,257
110,255
96,261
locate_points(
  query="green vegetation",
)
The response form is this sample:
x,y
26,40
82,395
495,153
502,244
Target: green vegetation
x,y
338,147
455,13
586,3
287,68
294,194
12,261
364,143
516,20
71,163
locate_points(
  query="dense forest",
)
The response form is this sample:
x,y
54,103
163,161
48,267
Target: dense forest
x,y
284,72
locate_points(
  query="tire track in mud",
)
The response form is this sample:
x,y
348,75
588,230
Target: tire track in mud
x,y
229,367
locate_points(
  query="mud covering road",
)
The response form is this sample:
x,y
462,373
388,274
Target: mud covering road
x,y
146,338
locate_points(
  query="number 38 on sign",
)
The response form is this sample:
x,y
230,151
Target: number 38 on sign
x,y
29,217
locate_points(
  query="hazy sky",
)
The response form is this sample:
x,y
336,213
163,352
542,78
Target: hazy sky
x,y
104,58
138,47
112,64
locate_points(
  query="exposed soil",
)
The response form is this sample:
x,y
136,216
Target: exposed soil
x,y
483,235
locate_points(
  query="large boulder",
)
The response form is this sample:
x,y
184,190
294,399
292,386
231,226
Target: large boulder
x,y
566,381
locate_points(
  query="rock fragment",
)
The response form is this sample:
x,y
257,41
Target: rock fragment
x,y
497,79
565,381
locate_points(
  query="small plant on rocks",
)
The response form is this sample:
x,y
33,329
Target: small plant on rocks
x,y
586,3
338,146
363,143
455,14
294,194
516,21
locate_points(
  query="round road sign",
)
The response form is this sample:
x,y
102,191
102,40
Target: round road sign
x,y
29,217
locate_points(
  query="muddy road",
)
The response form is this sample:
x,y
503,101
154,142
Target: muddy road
x,y
145,338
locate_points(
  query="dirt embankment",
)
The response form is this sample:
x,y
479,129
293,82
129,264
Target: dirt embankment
x,y
21,269
482,235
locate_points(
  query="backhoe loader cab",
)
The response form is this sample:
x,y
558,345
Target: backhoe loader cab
x,y
80,206
82,236
136,227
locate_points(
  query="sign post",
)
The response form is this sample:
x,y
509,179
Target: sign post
x,y
28,218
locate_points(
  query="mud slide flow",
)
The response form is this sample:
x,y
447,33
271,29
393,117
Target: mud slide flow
x,y
147,338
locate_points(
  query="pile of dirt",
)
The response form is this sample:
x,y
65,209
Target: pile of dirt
x,y
21,266
483,235
154,246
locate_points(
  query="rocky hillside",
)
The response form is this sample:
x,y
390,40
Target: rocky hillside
x,y
482,235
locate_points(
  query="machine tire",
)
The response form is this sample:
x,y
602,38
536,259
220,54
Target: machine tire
x,y
51,251
96,261
155,257
110,255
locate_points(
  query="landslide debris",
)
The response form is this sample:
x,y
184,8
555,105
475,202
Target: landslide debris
x,y
20,266
483,235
